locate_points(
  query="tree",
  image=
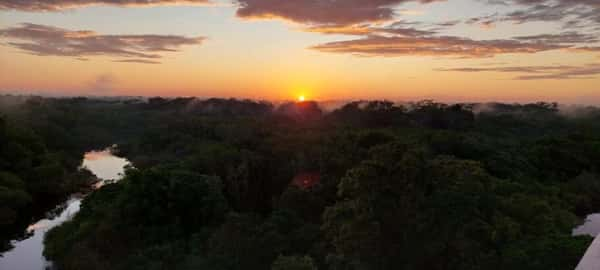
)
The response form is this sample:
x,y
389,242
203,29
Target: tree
x,y
293,263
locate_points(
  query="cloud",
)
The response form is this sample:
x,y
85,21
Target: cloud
x,y
137,61
448,23
573,14
582,72
53,41
403,31
558,72
375,25
509,69
593,3
357,30
396,29
380,33
333,16
402,38
322,12
486,22
374,45
58,5
571,37
592,49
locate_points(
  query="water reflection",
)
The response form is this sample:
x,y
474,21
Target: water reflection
x,y
106,166
27,253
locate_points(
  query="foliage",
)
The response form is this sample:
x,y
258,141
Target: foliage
x,y
414,186
293,263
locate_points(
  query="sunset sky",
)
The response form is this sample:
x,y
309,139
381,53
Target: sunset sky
x,y
448,50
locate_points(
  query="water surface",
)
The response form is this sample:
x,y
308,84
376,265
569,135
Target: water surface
x,y
27,253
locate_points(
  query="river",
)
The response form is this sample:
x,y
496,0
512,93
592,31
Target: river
x,y
27,253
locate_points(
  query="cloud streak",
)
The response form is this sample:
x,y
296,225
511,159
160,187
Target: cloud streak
x,y
570,37
53,41
136,61
559,72
59,5
574,14
432,46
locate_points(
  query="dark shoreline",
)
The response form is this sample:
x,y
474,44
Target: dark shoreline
x,y
40,209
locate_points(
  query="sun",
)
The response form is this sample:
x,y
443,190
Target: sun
x,y
301,98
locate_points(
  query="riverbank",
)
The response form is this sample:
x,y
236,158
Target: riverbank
x,y
27,253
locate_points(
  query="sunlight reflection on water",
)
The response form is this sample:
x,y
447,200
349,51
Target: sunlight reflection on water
x,y
27,253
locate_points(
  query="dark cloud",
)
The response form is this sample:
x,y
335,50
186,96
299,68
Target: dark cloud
x,y
432,46
47,40
322,12
556,72
536,13
414,38
448,23
573,14
486,21
56,5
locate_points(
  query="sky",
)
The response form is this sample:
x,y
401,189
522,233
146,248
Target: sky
x,y
447,50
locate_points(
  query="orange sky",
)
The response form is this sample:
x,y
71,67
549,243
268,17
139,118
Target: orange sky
x,y
263,49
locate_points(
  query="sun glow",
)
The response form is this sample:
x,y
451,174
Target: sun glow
x,y
301,98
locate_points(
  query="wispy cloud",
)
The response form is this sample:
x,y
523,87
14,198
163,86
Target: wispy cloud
x,y
556,72
593,49
53,41
137,61
573,14
432,46
396,29
570,37
582,72
58,5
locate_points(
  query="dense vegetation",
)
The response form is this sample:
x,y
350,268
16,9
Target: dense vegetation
x,y
229,184
35,173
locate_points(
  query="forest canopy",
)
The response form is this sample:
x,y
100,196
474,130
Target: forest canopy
x,y
240,184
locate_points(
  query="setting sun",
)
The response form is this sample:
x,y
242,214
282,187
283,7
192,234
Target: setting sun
x,y
301,98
